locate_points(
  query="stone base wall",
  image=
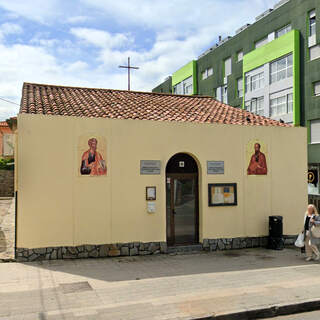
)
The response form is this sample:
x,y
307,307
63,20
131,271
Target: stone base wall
x,y
91,251
136,248
241,243
6,183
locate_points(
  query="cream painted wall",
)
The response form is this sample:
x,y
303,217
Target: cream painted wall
x,y
56,206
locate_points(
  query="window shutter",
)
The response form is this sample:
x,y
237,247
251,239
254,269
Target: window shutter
x,y
315,131
317,89
227,65
314,52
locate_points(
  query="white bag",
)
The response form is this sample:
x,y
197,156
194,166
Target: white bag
x,y
300,240
315,230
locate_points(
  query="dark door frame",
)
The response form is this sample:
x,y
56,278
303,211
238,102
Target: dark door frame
x,y
172,176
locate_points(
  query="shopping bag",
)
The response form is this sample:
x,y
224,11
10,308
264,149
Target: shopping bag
x,y
300,240
315,230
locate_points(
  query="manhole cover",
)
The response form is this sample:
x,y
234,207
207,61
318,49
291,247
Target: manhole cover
x,y
75,287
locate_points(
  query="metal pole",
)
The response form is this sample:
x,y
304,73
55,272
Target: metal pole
x,y
128,73
129,67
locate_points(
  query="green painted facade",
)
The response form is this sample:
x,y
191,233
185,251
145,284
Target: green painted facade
x,y
282,46
305,73
165,86
189,70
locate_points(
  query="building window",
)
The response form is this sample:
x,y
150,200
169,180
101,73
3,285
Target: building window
x,y
254,82
315,131
206,73
261,42
281,69
314,52
281,105
240,87
257,81
312,23
290,102
316,88
184,87
247,83
219,93
256,106
227,67
240,56
225,94
187,86
283,31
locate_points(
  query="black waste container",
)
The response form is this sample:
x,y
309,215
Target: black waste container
x,y
275,226
276,240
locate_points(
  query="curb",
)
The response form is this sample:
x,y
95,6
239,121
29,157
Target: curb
x,y
268,312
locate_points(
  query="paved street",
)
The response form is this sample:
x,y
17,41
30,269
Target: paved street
x,y
301,316
7,230
156,287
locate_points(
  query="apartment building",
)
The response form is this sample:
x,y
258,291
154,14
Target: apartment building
x,y
270,67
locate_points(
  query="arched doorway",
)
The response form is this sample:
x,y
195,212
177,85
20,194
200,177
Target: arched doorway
x,y
182,200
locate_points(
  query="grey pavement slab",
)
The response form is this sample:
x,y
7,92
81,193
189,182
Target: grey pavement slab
x,y
186,286
7,228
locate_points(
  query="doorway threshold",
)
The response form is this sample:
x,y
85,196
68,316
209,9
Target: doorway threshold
x,y
185,248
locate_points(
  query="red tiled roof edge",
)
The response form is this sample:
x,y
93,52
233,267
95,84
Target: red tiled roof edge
x,y
123,104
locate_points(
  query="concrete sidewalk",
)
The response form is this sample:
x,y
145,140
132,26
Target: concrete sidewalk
x,y
157,287
7,228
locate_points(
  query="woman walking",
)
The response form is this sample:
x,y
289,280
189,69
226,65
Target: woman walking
x,y
311,218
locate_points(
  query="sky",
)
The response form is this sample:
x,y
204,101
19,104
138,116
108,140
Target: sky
x,y
83,42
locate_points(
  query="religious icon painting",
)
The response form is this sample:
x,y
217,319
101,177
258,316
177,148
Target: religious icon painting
x,y
92,156
257,158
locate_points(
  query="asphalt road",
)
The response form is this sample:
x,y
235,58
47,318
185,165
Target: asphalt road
x,y
301,316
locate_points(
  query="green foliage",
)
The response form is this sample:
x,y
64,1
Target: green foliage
x,y
6,164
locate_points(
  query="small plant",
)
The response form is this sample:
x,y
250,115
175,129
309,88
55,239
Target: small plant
x,y
6,164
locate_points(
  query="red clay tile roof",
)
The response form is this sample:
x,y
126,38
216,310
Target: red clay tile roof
x,y
3,124
122,104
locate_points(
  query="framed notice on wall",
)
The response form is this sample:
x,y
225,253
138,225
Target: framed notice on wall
x,y
151,193
222,194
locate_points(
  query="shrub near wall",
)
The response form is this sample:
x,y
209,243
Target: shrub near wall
x,y
6,178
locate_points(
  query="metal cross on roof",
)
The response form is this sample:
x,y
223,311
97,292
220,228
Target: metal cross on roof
x,y
129,67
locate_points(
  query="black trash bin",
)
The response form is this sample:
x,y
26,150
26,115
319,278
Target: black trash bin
x,y
276,241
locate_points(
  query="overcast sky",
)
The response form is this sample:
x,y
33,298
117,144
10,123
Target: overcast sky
x,y
82,43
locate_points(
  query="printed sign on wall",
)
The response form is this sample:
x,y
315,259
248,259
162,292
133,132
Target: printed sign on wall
x,y
92,156
257,158
215,167
150,166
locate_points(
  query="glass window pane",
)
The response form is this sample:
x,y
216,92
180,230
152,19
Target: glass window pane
x,y
261,82
290,102
289,60
281,75
281,64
